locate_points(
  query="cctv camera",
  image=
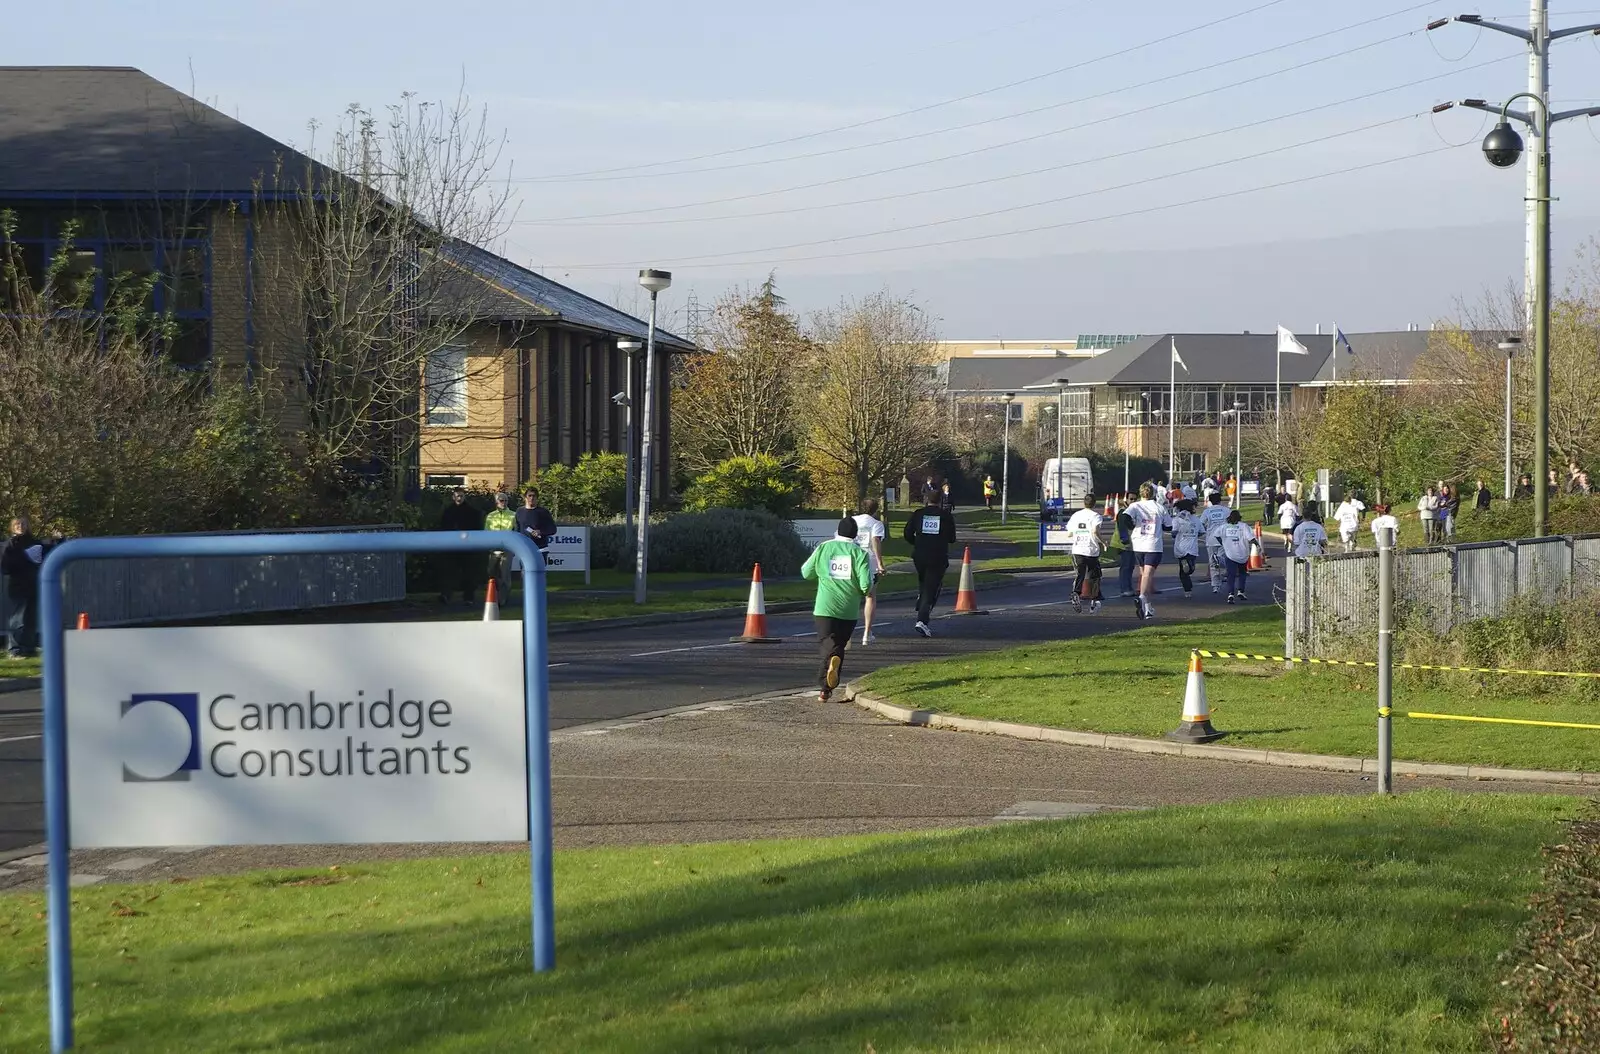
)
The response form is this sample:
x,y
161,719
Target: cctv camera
x,y
1502,146
621,398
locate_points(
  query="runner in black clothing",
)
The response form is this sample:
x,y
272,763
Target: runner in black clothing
x,y
930,531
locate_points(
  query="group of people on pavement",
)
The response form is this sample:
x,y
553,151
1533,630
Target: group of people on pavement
x,y
460,571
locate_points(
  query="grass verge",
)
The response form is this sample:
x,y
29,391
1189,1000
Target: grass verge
x,y
1132,684
10,667
1314,924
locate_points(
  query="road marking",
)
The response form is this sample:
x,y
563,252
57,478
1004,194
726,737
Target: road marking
x,y
811,783
669,651
132,863
553,665
21,739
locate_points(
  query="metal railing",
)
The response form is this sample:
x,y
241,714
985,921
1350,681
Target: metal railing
x,y
1329,599
178,589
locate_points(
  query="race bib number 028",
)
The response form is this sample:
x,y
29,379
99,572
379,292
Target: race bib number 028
x,y
931,525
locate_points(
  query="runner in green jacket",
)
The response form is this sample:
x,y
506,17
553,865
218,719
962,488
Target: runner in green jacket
x,y
843,574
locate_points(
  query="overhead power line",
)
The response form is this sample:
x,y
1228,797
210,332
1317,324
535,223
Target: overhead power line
x,y
984,122
1079,195
554,177
1222,196
1076,163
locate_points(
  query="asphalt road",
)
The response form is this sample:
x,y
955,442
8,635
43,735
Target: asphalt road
x,y
607,675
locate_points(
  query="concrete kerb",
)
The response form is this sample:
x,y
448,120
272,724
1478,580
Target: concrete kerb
x,y
1135,745
17,684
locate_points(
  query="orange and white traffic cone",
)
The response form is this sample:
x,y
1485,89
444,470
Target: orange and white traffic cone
x,y
1111,508
83,620
755,615
1196,724
491,602
1258,559
966,596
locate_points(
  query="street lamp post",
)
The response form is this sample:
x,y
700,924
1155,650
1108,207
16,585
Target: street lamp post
x,y
653,282
1509,346
1237,413
629,348
1005,455
1127,446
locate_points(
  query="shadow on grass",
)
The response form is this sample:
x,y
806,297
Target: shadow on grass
x,y
1135,929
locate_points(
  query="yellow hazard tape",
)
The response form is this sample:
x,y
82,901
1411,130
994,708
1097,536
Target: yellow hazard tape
x,y
1502,721
1397,666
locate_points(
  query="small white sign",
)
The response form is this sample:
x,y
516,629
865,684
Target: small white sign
x,y
568,550
814,532
1055,538
259,735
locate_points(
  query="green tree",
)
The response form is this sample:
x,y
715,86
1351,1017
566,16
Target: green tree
x,y
758,482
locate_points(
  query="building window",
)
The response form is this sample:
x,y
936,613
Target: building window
x,y
445,385
1191,462
110,254
447,482
1014,412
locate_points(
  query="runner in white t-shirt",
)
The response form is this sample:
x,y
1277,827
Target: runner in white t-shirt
x,y
1348,517
1288,516
1149,521
1084,530
1211,521
1385,520
869,536
1186,543
1310,538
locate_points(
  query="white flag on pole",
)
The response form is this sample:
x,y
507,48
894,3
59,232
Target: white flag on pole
x,y
1178,359
1288,344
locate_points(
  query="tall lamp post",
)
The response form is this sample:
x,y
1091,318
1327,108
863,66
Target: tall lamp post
x,y
1237,413
629,349
1132,418
1005,454
654,282
1503,147
1509,346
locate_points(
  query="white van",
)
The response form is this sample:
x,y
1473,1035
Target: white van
x,y
1068,478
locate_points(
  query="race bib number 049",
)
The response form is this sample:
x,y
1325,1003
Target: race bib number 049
x,y
839,567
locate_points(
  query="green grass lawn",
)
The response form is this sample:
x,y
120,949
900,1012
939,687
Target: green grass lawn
x,y
1132,683
1315,924
10,667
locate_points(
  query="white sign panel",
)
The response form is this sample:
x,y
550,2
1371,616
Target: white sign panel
x,y
814,532
258,735
567,551
1055,538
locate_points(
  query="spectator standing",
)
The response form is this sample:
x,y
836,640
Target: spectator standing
x,y
988,492
930,531
1483,497
945,500
1125,557
535,521
843,574
459,568
500,518
1583,483
1449,508
1524,488
1428,513
19,562
869,535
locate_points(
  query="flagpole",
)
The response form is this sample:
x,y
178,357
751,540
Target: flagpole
x,y
1336,353
1172,413
1277,419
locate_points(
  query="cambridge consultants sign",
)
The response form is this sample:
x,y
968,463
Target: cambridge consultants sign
x,y
250,735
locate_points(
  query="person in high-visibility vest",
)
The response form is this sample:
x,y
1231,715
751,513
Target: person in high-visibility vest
x,y
501,519
988,492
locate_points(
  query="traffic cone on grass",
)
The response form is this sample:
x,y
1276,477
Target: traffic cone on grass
x,y
1196,725
491,602
755,615
1258,559
83,620
966,596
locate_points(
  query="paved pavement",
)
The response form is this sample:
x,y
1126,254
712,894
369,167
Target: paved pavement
x,y
614,675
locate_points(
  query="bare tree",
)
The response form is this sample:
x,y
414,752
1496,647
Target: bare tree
x,y
364,265
739,398
871,411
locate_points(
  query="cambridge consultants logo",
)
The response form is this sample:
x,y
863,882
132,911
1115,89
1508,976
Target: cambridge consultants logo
x,y
160,736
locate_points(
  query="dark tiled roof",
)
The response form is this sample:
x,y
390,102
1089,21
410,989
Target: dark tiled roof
x,y
1004,373
1211,358
516,294
114,130
1385,356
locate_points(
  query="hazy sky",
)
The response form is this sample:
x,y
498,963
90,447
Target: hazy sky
x,y
1128,200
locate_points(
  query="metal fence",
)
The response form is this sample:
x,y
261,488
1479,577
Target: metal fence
x,y
1330,599
177,589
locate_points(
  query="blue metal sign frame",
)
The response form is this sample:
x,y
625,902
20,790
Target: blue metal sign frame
x,y
536,685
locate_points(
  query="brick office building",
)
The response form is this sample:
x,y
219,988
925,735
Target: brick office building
x,y
126,175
